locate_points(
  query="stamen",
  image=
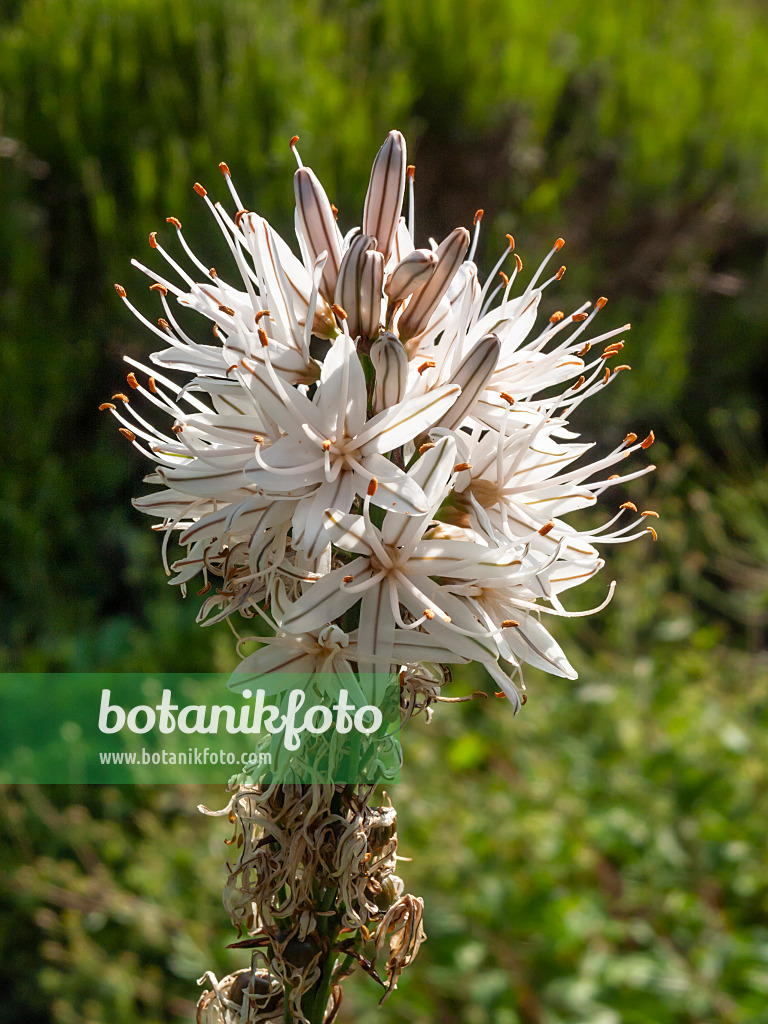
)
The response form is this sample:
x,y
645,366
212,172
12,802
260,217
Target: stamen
x,y
648,441
199,189
547,528
650,512
475,235
131,378
295,151
132,437
652,532
410,173
106,405
121,396
509,623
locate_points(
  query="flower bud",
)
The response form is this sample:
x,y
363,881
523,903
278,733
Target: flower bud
x,y
317,224
450,255
384,199
391,365
473,373
369,293
410,273
349,283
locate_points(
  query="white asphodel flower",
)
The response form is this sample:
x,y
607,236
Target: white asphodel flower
x,y
374,456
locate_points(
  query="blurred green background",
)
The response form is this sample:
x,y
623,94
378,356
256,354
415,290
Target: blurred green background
x,y
600,859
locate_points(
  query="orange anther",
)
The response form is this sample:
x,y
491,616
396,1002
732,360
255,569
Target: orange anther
x,y
156,287
557,317
239,216
293,141
228,310
460,467
511,240
652,532
339,311
478,217
127,433
152,385
630,438
559,244
335,211
426,447
648,441
106,405
122,397
578,384
410,172
429,614
584,349
650,512
120,290
199,189
559,274
131,378
518,263
262,313
507,397
426,365
374,483
175,221
547,528
224,169
579,318
601,302
263,337
347,579
624,366
504,278
629,504
509,623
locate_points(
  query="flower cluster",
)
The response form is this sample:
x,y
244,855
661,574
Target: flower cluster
x,y
374,454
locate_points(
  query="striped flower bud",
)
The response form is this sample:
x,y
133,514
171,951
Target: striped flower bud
x,y
384,198
410,273
450,255
391,365
318,226
369,293
348,285
474,372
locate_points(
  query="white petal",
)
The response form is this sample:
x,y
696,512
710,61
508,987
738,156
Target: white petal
x,y
392,428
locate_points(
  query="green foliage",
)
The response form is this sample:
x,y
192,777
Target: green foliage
x,y
599,859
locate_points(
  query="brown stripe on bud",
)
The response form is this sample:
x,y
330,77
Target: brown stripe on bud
x,y
318,226
384,199
425,300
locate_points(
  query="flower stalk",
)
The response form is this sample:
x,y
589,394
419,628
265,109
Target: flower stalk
x,y
373,467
